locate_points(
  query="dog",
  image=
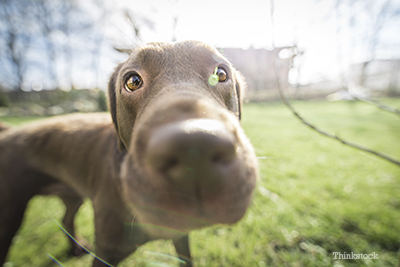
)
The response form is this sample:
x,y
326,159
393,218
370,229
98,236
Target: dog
x,y
171,158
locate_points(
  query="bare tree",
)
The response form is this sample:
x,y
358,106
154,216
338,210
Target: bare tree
x,y
137,22
49,40
66,8
175,20
16,40
45,18
379,14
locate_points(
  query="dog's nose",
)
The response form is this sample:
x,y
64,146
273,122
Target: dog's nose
x,y
195,153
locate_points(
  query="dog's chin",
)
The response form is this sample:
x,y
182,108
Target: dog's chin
x,y
167,224
167,213
167,221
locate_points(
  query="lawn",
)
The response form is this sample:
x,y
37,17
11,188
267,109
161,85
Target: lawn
x,y
314,197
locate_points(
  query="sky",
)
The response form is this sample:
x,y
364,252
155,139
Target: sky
x,y
329,45
321,31
225,23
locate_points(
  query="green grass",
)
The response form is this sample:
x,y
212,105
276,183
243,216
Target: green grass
x,y
19,120
314,197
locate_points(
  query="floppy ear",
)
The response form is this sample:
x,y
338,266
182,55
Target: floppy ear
x,y
112,102
240,85
127,51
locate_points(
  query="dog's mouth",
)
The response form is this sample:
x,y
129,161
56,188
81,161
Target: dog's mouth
x,y
164,212
189,174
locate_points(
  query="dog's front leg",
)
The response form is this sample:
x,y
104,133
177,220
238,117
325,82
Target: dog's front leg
x,y
72,203
109,233
182,248
117,235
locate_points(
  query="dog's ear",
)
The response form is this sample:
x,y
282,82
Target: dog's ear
x,y
127,51
240,85
112,102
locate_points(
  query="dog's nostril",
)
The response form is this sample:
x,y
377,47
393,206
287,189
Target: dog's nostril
x,y
218,157
224,155
170,163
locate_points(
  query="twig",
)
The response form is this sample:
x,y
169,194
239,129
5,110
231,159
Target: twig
x,y
312,126
378,104
330,135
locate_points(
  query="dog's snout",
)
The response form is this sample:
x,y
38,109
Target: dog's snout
x,y
193,154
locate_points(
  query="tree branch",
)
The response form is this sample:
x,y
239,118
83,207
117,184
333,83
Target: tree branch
x,y
285,100
378,104
325,133
330,135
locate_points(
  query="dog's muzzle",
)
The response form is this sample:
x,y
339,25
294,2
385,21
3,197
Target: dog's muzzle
x,y
189,166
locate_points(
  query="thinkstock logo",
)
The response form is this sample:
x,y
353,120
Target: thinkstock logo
x,y
353,256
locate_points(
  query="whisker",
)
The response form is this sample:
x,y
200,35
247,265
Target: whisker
x,y
130,39
133,222
55,260
76,241
163,255
264,157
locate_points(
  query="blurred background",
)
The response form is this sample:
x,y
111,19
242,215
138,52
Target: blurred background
x,y
314,196
56,56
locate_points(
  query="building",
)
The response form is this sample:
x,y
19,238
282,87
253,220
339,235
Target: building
x,y
377,77
261,68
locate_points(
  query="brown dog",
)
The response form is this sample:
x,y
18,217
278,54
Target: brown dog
x,y
175,160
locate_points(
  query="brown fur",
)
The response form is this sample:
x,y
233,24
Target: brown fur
x,y
3,127
118,167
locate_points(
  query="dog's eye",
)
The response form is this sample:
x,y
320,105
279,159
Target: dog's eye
x,y
133,83
221,73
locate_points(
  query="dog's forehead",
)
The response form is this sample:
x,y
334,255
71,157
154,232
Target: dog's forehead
x,y
189,53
